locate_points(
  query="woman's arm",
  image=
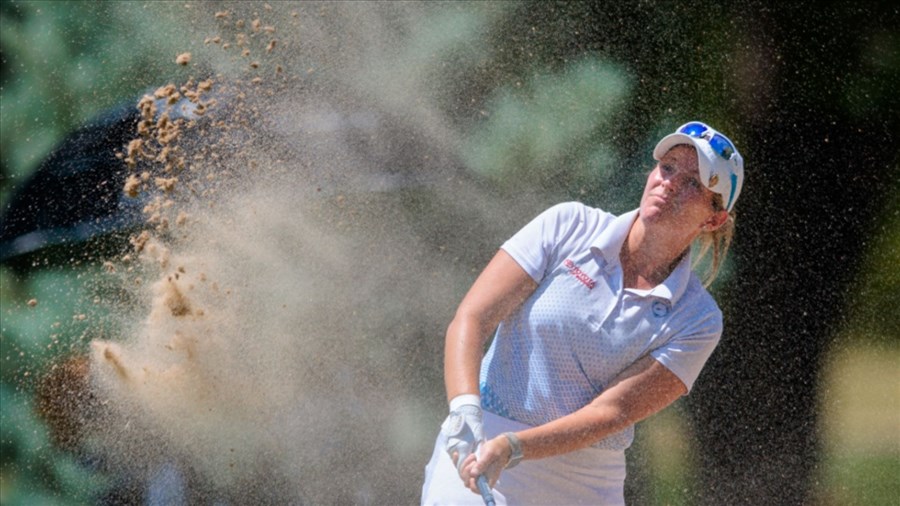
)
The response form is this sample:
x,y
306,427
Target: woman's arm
x,y
643,389
498,291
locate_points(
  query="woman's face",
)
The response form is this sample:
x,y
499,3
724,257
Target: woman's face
x,y
675,195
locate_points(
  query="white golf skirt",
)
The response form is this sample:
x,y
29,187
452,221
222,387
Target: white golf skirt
x,y
588,476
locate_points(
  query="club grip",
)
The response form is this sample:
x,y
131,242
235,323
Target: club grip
x,y
485,490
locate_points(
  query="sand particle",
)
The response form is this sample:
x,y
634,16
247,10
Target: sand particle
x,y
132,186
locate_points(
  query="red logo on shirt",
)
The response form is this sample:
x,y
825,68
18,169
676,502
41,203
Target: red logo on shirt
x,y
579,274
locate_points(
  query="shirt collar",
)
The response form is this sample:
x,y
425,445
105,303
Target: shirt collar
x,y
609,243
675,285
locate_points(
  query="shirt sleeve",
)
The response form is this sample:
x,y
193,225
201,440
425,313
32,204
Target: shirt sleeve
x,y
686,353
536,246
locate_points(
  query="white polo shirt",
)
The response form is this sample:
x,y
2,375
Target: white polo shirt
x,y
580,328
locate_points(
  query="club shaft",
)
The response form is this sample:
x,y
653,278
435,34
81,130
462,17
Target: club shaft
x,y
485,490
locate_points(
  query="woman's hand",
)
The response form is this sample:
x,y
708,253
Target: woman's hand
x,y
493,456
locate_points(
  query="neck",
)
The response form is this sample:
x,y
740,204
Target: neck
x,y
650,254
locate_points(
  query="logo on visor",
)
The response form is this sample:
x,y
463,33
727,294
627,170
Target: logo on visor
x,y
713,180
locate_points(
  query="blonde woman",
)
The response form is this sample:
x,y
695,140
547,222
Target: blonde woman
x,y
598,321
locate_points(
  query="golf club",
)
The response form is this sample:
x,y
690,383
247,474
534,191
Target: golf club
x,y
485,490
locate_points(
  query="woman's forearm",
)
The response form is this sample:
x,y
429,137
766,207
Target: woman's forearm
x,y
642,390
462,356
498,291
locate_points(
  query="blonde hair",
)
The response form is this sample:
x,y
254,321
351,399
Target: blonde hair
x,y
715,243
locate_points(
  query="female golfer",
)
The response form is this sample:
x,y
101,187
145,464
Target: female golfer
x,y
600,322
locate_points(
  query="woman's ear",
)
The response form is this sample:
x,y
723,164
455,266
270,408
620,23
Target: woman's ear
x,y
715,221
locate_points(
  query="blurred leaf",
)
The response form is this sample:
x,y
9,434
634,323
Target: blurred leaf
x,y
21,435
866,91
38,472
550,129
873,309
63,62
56,324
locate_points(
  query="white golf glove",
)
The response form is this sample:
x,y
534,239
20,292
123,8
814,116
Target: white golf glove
x,y
463,427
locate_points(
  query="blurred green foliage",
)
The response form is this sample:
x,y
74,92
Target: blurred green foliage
x,y
861,480
62,63
32,470
873,314
553,130
46,317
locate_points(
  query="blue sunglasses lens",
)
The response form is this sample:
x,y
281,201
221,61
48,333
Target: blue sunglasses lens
x,y
721,146
719,143
694,129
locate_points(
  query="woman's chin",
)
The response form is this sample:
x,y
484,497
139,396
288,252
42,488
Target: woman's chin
x,y
651,213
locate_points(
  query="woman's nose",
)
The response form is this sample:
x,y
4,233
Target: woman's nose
x,y
667,182
674,182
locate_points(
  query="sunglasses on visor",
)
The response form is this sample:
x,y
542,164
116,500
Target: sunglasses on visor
x,y
720,144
